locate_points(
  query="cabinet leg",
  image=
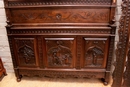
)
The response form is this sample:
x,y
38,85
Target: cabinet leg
x,y
19,78
5,73
104,82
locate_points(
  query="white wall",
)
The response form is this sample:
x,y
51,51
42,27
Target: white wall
x,y
4,46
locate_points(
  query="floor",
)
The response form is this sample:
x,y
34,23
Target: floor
x,y
10,81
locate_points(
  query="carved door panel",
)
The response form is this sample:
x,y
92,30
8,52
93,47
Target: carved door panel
x,y
95,52
26,52
60,52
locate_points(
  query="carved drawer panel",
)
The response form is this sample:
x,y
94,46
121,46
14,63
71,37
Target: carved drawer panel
x,y
95,52
60,15
60,52
26,52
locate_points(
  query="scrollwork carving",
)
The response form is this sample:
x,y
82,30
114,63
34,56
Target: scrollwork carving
x,y
61,15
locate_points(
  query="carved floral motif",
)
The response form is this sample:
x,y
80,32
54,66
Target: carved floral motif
x,y
27,53
25,49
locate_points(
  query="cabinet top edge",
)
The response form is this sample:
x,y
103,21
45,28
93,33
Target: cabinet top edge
x,y
37,3
105,6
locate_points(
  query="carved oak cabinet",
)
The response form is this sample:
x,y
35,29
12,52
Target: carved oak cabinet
x,y
61,38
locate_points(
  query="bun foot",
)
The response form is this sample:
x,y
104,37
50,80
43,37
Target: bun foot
x,y
105,83
18,79
5,73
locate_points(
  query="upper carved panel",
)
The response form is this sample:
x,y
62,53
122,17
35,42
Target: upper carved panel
x,y
93,55
59,53
95,52
60,2
52,15
26,51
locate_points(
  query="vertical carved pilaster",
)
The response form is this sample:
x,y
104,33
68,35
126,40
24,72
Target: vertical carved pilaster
x,y
122,45
40,49
110,55
14,59
12,51
79,48
126,77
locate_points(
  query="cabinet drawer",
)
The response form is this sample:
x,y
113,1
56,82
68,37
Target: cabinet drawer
x,y
60,15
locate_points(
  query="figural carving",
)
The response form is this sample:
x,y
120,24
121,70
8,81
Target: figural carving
x,y
94,54
59,55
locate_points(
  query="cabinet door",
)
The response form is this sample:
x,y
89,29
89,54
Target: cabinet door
x,y
60,52
95,52
26,52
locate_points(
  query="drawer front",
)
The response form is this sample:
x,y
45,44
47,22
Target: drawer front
x,y
60,52
26,52
95,52
60,15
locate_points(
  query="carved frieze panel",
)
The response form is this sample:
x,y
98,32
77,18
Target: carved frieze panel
x,y
60,52
95,52
26,51
61,15
61,2
57,31
63,74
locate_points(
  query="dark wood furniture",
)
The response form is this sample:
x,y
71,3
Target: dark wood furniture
x,y
61,38
121,75
2,70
